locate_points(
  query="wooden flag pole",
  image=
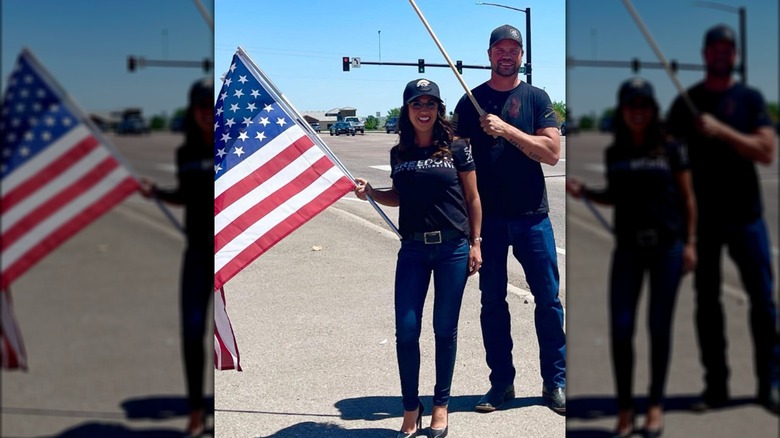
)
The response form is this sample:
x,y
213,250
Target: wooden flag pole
x,y
310,132
74,107
660,55
449,61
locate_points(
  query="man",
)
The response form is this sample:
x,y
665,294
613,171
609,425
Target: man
x,y
731,132
509,143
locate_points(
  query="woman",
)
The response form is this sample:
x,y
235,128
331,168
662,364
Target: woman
x,y
435,188
195,174
649,184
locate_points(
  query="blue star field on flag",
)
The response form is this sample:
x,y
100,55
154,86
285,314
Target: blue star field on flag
x,y
246,118
32,117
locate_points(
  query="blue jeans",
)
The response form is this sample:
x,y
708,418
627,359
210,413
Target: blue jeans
x,y
448,261
629,265
748,246
533,245
197,288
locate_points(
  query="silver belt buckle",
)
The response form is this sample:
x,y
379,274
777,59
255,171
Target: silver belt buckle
x,y
647,237
432,237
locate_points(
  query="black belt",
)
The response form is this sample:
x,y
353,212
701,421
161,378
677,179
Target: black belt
x,y
434,237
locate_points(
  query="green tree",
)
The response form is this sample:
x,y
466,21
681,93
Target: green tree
x,y
371,123
774,112
394,112
587,123
606,119
158,123
560,111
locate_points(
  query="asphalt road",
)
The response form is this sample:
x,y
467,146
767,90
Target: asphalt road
x,y
590,385
99,317
313,318
315,329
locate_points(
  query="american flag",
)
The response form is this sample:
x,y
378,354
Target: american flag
x,y
270,175
56,175
12,352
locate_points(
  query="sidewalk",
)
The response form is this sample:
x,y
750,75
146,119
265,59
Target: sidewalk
x,y
316,336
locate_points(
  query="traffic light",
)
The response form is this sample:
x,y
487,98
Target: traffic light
x,y
459,66
635,65
131,63
674,66
345,63
420,66
206,66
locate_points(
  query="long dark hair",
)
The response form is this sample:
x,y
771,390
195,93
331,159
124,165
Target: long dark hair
x,y
442,133
193,135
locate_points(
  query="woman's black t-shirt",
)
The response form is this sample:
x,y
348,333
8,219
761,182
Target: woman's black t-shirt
x,y
641,183
429,190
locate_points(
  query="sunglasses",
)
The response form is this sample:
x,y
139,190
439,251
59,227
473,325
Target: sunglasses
x,y
418,105
640,104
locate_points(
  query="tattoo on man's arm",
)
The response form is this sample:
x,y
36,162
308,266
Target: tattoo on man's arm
x,y
531,155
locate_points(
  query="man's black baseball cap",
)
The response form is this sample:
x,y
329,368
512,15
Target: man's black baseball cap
x,y
421,87
506,32
721,32
635,88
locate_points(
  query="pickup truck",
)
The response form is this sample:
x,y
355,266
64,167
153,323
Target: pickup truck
x,y
356,123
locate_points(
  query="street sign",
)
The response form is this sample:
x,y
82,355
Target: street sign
x,y
356,62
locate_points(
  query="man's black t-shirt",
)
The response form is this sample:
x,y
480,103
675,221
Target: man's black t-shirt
x,y
427,182
725,182
641,184
510,184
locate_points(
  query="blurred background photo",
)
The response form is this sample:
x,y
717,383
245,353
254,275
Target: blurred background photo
x,y
606,47
98,312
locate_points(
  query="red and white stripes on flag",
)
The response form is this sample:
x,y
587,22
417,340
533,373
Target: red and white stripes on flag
x,y
271,177
57,177
226,355
12,353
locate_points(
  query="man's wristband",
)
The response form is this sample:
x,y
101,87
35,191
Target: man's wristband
x,y
475,240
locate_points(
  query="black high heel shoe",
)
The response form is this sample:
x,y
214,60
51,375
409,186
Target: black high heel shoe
x,y
402,434
626,433
655,432
440,433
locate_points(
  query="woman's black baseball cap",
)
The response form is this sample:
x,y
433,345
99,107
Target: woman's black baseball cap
x,y
202,90
635,88
421,87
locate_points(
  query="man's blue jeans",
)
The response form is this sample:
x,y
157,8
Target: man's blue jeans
x,y
748,246
448,261
533,245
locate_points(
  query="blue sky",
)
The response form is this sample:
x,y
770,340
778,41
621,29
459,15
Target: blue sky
x,y
608,32
85,45
299,45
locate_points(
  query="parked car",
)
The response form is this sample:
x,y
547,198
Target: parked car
x,y
391,125
342,128
569,127
315,126
356,123
132,125
605,124
177,123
